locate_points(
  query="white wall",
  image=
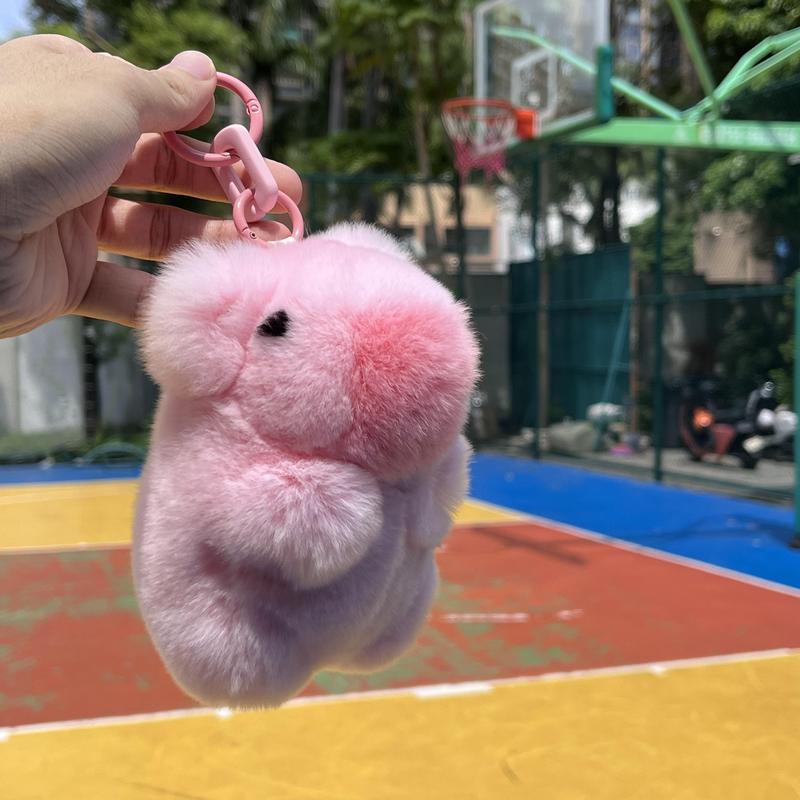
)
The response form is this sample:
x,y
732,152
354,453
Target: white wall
x,y
41,382
41,385
9,394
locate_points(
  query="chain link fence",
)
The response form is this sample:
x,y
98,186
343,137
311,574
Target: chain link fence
x,y
588,354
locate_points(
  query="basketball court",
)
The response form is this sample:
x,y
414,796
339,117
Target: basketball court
x,y
557,659
592,637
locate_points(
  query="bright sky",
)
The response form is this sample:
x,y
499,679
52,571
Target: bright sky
x,y
12,17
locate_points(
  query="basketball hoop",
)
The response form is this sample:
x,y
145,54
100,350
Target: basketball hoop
x,y
481,129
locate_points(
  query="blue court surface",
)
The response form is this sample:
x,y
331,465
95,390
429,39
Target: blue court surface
x,y
34,473
741,535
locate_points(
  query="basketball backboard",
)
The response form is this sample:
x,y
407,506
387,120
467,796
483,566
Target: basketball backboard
x,y
535,53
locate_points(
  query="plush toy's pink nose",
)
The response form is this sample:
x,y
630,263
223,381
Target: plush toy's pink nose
x,y
414,369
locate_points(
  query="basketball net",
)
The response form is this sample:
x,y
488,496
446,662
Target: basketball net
x,y
481,130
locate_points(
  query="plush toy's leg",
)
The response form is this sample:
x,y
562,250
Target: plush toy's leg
x,y
241,657
221,641
395,639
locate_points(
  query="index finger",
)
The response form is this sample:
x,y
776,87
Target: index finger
x,y
155,166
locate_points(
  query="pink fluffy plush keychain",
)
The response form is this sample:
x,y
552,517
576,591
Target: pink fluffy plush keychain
x,y
306,457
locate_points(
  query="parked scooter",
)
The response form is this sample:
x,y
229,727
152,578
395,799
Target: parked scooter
x,y
761,429
773,426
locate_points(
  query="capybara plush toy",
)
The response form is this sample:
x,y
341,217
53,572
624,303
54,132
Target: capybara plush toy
x,y
306,459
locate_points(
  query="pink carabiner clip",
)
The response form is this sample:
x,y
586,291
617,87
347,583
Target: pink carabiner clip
x,y
235,143
251,203
208,159
236,139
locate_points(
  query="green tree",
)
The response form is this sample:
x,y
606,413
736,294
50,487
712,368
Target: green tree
x,y
731,27
253,40
399,61
750,339
768,187
147,34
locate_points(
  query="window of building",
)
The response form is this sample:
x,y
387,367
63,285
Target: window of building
x,y
477,241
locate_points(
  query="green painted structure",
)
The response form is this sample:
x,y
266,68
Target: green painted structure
x,y
700,127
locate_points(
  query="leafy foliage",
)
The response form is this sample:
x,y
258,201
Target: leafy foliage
x,y
402,59
399,59
747,352
145,33
353,151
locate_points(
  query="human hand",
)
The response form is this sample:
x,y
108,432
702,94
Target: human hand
x,y
74,123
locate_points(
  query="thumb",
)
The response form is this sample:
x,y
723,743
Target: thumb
x,y
171,98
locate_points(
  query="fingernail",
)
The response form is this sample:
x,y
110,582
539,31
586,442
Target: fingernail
x,y
197,64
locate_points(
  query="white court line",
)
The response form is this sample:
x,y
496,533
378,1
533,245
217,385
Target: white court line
x,y
35,549
425,692
513,616
452,689
652,552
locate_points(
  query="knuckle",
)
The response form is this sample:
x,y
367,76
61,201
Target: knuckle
x,y
160,230
166,167
101,232
179,88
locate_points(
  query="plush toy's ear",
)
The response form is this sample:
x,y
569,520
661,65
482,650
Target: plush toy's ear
x,y
360,234
197,319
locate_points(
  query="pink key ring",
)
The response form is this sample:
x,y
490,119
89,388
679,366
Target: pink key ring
x,y
232,144
204,159
240,214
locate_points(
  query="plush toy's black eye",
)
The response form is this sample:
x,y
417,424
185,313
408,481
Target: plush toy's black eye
x,y
275,324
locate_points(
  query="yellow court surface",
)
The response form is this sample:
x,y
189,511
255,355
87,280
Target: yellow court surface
x,y
97,513
66,514
724,730
519,599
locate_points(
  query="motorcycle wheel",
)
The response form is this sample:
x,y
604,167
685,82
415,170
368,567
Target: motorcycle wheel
x,y
747,461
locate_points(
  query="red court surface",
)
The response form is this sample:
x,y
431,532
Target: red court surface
x,y
515,599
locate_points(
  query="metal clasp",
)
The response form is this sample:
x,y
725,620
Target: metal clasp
x,y
235,143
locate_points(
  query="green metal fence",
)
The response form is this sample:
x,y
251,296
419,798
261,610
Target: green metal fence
x,y
587,363
563,331
560,332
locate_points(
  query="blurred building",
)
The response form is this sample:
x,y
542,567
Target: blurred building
x,y
495,232
727,249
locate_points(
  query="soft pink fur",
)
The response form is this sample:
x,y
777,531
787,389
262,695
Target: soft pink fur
x,y
297,486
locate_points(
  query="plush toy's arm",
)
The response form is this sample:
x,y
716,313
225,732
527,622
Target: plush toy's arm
x,y
312,519
451,476
439,494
